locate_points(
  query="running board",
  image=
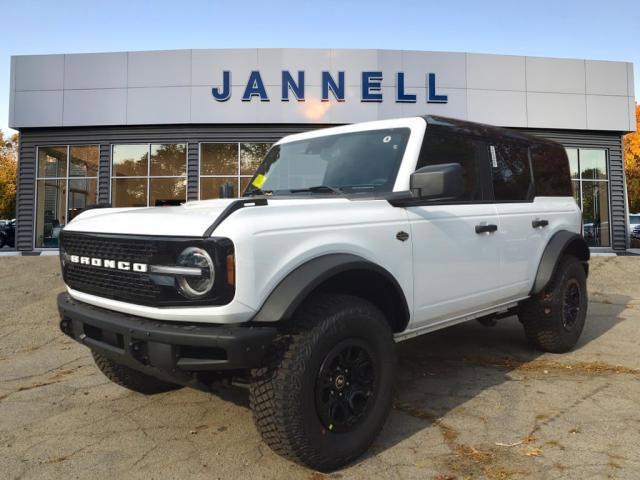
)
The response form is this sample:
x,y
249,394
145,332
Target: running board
x,y
416,332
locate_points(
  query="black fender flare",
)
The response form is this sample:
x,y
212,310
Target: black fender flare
x,y
287,296
561,242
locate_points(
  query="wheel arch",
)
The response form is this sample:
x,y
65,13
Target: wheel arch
x,y
337,273
561,243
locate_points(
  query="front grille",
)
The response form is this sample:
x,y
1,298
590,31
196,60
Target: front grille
x,y
115,284
111,283
137,286
124,249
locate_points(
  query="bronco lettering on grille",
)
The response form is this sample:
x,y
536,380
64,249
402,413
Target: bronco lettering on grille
x,y
107,263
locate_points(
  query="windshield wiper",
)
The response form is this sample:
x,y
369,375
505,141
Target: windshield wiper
x,y
258,191
319,189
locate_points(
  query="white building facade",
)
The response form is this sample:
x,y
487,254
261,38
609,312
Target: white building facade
x,y
160,127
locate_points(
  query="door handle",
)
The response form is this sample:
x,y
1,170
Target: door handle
x,y
484,228
539,223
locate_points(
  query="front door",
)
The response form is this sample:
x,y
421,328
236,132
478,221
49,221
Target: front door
x,y
456,270
455,248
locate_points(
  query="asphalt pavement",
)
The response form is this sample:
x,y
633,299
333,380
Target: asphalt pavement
x,y
471,402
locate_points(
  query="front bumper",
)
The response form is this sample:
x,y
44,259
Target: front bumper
x,y
167,350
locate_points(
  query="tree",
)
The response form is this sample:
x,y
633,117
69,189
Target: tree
x,y
8,175
632,165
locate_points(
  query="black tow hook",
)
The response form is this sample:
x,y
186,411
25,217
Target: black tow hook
x,y
66,327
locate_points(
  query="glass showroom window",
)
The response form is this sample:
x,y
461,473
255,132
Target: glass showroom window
x,y
66,184
591,190
226,168
148,174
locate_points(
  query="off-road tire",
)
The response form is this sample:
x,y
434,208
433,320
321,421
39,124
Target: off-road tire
x,y
543,316
131,379
283,392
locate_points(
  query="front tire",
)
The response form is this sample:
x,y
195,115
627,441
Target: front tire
x,y
326,391
131,379
554,319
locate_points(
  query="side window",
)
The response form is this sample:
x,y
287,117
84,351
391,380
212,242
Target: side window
x,y
551,171
438,149
511,172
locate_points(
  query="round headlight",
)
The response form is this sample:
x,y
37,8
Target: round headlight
x,y
194,286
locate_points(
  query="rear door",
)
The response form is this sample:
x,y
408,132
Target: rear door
x,y
524,227
455,249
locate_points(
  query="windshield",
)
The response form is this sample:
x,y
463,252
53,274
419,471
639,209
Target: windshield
x,y
343,163
634,219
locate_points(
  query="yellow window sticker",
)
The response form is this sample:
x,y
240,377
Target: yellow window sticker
x,y
258,181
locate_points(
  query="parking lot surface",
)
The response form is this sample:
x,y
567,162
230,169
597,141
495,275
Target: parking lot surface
x,y
471,402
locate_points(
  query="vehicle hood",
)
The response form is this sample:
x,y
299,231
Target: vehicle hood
x,y
191,219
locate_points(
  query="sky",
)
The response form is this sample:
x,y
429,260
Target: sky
x,y
603,30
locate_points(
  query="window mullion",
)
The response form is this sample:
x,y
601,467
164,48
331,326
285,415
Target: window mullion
x,y
238,172
148,172
66,211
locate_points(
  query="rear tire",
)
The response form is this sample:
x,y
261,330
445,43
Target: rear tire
x,y
554,319
326,390
131,379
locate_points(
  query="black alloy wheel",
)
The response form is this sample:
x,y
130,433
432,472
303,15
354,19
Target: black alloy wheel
x,y
345,386
571,304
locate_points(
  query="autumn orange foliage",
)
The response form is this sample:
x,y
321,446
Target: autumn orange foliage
x,y
8,165
632,165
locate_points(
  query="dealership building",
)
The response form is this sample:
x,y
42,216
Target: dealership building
x,y
157,128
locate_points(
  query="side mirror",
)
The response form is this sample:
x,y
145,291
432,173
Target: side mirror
x,y
437,181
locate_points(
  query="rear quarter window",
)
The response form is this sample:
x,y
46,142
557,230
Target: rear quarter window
x,y
551,171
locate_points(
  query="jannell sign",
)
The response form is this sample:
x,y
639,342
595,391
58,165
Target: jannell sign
x,y
371,88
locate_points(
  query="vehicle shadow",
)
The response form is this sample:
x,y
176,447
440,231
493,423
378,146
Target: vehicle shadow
x,y
439,372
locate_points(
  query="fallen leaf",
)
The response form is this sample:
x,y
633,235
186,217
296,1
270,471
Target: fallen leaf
x,y
534,452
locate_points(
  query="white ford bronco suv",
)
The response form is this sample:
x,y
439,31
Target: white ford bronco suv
x,y
346,240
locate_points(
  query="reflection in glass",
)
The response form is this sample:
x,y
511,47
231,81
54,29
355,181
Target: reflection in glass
x,y
50,216
130,160
167,191
595,213
512,176
572,153
52,162
593,164
82,193
592,196
575,186
168,159
129,192
251,154
213,187
219,159
84,161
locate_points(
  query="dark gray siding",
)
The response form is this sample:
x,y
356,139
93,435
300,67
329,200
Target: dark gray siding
x,y
105,136
612,142
26,195
194,134
193,155
104,171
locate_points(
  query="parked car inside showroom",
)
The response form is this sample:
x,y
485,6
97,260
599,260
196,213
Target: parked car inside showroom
x,y
8,233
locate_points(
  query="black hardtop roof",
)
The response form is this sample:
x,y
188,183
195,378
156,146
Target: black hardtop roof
x,y
464,127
